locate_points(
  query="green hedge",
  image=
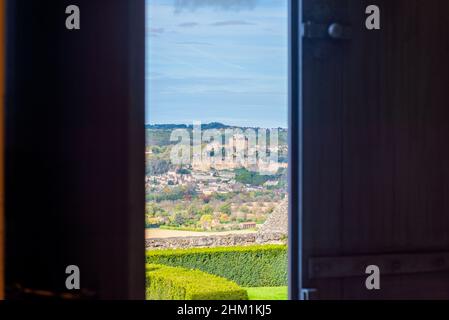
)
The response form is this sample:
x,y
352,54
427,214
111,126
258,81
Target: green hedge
x,y
251,266
171,283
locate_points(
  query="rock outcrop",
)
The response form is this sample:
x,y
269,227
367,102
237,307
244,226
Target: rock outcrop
x,y
215,241
277,222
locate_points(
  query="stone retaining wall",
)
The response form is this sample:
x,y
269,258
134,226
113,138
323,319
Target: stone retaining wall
x,y
216,241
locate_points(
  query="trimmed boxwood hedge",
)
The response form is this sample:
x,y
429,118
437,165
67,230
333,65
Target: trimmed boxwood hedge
x,y
172,283
248,266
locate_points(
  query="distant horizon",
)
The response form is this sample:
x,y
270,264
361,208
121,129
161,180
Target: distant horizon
x,y
215,122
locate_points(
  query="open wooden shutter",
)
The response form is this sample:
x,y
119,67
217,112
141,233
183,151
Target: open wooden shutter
x,y
376,156
75,149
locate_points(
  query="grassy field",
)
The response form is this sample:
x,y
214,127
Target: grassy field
x,y
267,293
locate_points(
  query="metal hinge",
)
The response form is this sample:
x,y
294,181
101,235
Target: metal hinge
x,y
306,292
335,31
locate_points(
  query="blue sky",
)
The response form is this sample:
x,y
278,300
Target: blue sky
x,y
217,61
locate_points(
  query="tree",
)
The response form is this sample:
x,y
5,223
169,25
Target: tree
x,y
192,211
225,208
154,166
205,198
183,171
153,210
207,210
179,219
244,209
206,221
224,218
